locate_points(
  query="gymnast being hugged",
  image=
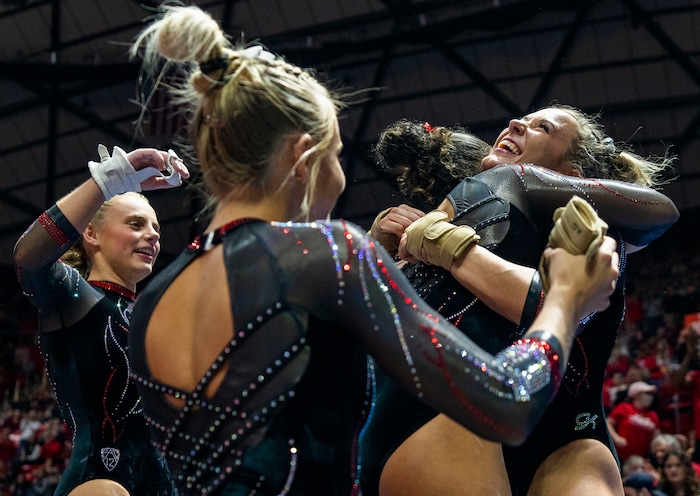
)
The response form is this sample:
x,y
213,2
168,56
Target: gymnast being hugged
x,y
412,449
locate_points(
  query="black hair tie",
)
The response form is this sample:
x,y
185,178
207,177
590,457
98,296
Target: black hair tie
x,y
213,65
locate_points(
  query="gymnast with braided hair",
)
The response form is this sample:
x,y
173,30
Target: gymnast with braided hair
x,y
510,207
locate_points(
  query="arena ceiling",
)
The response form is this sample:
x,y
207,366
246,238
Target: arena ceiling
x,y
67,84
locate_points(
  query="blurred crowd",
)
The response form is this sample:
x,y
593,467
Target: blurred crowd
x,y
652,393
34,442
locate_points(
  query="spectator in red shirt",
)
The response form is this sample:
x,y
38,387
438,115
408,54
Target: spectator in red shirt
x,y
611,387
51,446
655,358
632,423
687,376
635,311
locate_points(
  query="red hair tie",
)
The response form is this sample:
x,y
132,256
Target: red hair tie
x,y
427,127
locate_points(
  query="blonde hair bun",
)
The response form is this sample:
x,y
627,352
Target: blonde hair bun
x,y
188,33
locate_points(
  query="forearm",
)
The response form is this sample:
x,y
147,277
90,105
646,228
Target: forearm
x,y
486,275
559,317
678,374
642,214
54,232
80,205
51,286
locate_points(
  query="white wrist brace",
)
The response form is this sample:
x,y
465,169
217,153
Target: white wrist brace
x,y
115,175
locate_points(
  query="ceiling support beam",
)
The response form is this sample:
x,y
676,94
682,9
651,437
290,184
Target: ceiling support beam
x,y
52,145
554,69
484,83
663,38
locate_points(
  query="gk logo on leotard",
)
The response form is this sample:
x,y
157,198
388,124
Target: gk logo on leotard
x,y
583,420
110,458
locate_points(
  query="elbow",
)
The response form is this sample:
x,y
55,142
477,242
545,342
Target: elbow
x,y
519,433
515,441
18,254
23,257
518,423
669,219
673,217
674,214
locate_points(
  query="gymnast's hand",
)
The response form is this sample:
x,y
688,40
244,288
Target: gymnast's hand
x,y
589,283
391,223
433,240
137,171
167,162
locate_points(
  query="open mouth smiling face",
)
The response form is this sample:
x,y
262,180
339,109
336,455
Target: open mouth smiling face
x,y
542,138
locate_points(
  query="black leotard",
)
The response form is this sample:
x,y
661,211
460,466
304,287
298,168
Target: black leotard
x,y
309,300
83,338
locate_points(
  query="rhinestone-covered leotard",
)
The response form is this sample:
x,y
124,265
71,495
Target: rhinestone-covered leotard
x,y
309,301
83,337
511,208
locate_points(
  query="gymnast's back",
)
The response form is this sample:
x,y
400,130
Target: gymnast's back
x,y
264,385
280,359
